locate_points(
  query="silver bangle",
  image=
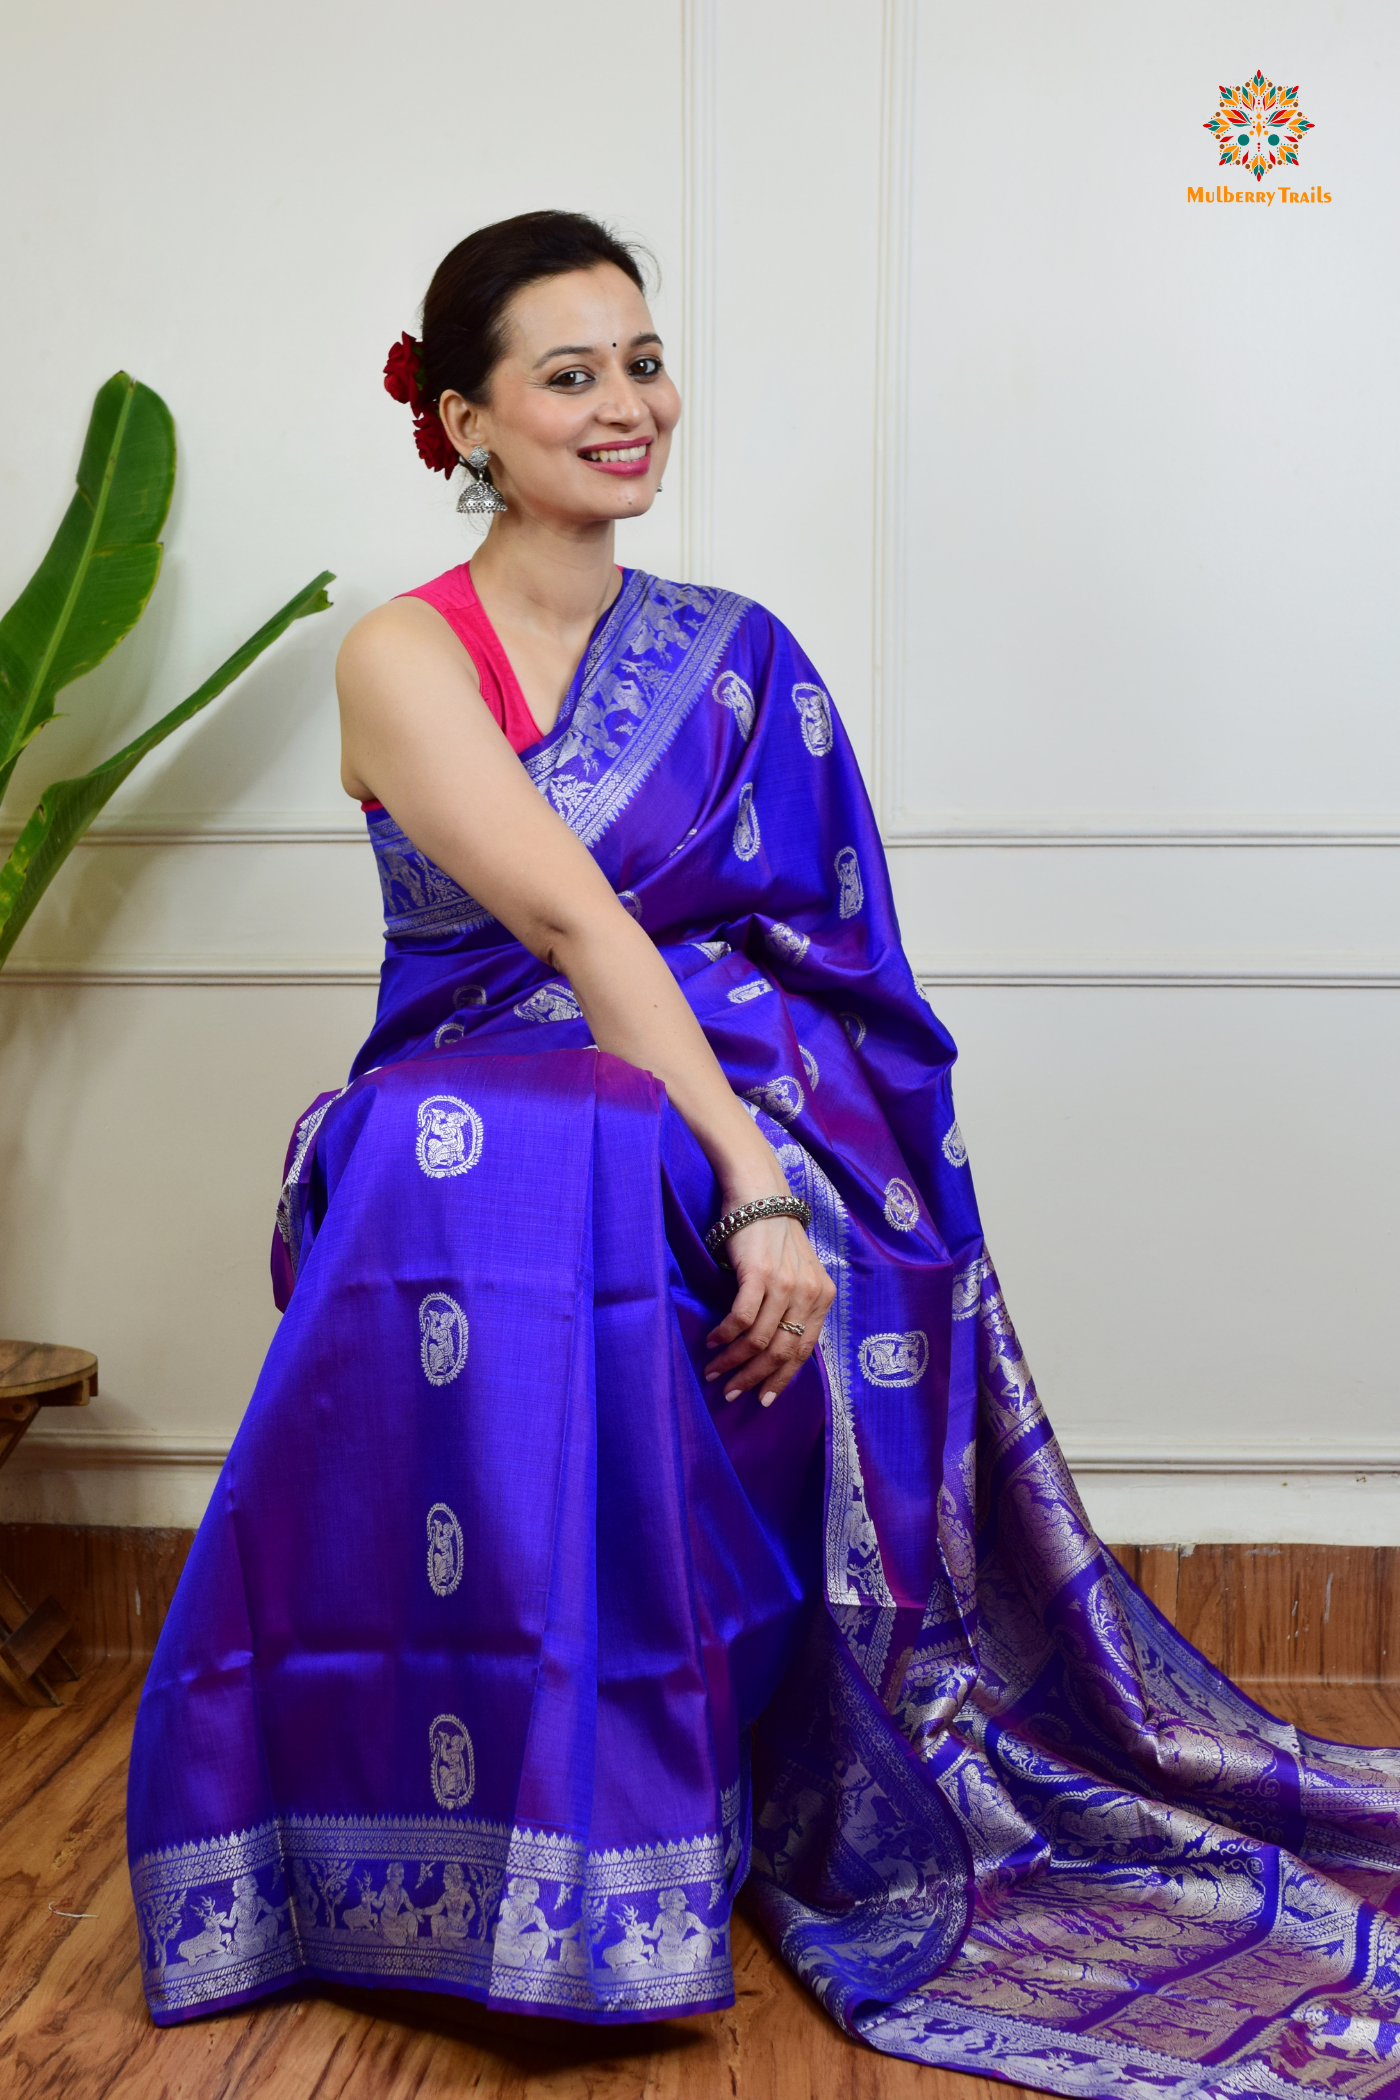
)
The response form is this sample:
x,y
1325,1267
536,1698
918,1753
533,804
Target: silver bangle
x,y
749,1214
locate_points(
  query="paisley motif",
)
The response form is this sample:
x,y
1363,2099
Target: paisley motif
x,y
747,837
814,714
730,691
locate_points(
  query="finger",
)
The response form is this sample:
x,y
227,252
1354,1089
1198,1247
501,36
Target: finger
x,y
767,1375
782,1359
764,1258
739,1359
756,1311
741,1315
803,1306
736,1363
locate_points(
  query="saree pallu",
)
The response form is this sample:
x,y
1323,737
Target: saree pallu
x,y
508,1652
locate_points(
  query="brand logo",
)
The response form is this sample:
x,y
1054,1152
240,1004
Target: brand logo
x,y
1258,126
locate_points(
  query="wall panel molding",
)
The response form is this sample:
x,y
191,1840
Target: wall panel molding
x,y
216,831
172,970
1126,972
698,210
889,538
1119,829
1167,973
1128,830
1281,1457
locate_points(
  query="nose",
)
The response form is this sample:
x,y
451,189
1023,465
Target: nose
x,y
623,405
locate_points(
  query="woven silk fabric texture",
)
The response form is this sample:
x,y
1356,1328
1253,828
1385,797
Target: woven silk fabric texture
x,y
508,1653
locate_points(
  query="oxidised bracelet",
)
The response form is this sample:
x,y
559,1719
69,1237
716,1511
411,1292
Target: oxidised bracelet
x,y
749,1214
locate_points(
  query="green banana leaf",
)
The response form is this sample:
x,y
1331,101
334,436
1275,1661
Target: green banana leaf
x,y
66,809
92,586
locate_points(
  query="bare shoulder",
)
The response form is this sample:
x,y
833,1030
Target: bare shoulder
x,y
403,638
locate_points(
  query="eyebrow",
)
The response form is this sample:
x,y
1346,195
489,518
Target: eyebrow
x,y
590,349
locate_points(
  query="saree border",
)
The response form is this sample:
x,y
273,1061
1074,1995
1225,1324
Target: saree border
x,y
303,1870
650,614
626,705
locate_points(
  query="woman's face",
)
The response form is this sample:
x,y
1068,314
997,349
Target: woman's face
x,y
581,407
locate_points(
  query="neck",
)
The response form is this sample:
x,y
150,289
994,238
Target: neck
x,y
543,576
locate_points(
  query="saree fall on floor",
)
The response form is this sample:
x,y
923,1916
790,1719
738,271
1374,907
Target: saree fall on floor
x,y
507,1652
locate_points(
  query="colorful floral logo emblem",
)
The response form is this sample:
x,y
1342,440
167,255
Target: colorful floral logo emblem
x,y
1258,126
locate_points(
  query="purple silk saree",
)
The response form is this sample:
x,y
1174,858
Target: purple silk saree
x,y
507,1652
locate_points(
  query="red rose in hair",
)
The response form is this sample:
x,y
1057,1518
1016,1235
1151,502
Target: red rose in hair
x,y
401,372
402,380
435,447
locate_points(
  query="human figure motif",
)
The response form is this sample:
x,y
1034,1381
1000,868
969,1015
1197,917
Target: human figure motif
x,y
814,713
398,1914
253,1918
443,1553
440,1341
852,889
304,1901
451,1781
682,1940
442,1141
451,1916
522,1934
406,875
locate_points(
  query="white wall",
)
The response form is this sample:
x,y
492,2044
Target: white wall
x,y
1082,495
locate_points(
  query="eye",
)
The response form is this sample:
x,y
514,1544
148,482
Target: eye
x,y
645,367
569,381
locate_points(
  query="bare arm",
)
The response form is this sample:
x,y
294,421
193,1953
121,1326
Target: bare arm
x,y
418,736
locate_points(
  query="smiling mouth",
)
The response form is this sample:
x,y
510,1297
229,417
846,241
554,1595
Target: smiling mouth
x,y
616,455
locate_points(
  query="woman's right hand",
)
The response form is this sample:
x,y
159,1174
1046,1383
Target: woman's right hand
x,y
780,1280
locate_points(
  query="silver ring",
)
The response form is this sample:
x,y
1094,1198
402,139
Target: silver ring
x,y
793,1327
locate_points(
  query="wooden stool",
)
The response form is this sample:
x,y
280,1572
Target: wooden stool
x,y
35,1375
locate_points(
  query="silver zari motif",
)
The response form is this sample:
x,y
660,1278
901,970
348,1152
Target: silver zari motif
x,y
731,692
445,1550
552,1002
449,1136
747,836
444,1902
780,1098
442,1330
894,1359
855,1574
786,942
814,714
453,1762
852,891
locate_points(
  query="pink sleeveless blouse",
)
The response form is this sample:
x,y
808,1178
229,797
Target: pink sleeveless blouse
x,y
454,596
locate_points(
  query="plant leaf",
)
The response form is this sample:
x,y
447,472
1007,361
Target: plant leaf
x,y
65,810
91,587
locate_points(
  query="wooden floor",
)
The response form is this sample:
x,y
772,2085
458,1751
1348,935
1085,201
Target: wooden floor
x,y
72,2020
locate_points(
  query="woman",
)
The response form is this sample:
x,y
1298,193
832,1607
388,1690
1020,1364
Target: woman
x,y
596,1542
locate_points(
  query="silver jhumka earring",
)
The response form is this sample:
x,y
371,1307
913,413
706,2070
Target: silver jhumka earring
x,y
480,498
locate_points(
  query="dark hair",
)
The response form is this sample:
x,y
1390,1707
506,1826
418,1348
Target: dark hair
x,y
464,312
